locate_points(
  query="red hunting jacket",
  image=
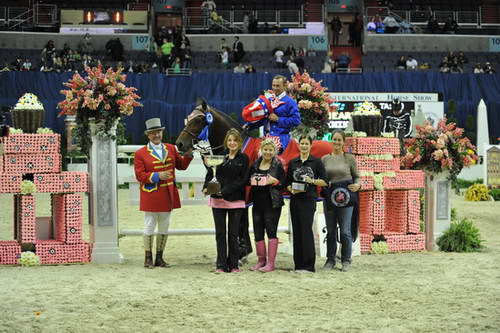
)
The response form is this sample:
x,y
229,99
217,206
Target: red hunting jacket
x,y
158,195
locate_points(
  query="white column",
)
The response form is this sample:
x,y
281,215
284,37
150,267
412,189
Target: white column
x,y
437,208
103,203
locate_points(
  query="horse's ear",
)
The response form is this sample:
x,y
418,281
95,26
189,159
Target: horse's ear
x,y
202,102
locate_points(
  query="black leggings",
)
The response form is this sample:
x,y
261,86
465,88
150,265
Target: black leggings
x,y
265,220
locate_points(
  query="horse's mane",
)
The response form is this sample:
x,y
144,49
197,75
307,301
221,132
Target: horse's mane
x,y
227,118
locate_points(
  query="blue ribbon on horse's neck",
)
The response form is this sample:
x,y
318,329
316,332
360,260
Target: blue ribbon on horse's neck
x,y
209,118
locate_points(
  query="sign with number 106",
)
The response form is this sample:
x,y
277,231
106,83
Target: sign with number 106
x,y
317,43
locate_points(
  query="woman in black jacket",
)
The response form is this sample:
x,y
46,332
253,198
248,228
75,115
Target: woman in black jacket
x,y
267,178
232,175
305,173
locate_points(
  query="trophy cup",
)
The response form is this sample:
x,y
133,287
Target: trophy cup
x,y
213,186
299,175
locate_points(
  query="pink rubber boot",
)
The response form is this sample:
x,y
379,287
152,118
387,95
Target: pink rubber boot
x,y
271,255
260,247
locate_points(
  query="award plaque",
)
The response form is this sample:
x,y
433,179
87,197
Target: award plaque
x,y
299,176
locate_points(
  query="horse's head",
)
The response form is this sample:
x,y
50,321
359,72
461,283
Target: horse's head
x,y
195,122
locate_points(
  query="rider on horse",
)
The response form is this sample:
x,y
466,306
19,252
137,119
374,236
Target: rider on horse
x,y
280,113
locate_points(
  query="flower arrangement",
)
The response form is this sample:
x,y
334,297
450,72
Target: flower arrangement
x,y
28,259
101,96
29,101
13,130
439,149
314,104
477,192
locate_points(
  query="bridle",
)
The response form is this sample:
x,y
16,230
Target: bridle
x,y
199,145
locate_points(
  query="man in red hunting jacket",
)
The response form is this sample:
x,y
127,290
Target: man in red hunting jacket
x,y
155,166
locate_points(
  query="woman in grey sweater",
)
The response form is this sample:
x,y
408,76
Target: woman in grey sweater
x,y
341,201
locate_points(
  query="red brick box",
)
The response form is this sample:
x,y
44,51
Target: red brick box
x,y
402,243
32,163
10,182
10,252
25,215
372,146
55,252
405,179
64,182
30,144
396,211
68,214
413,212
366,182
365,163
365,243
372,212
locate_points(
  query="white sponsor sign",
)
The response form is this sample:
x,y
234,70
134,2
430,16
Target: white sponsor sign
x,y
384,97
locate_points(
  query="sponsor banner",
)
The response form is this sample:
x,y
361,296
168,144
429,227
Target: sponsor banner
x,y
384,97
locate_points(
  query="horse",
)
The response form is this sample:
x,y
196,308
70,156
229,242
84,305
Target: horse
x,y
216,128
205,122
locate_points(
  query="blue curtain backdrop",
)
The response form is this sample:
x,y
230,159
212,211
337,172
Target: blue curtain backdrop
x,y
172,99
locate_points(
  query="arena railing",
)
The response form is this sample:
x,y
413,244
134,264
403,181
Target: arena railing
x,y
420,17
195,17
181,72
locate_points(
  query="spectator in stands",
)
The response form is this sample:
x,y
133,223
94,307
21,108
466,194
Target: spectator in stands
x,y
177,65
455,67
488,69
26,65
299,61
371,27
250,69
290,51
225,57
432,25
462,59
17,64
343,60
188,56
357,30
209,5
240,69
478,69
278,58
336,26
152,49
391,25
114,49
401,63
411,63
254,23
329,65
85,46
48,54
292,66
450,26
246,23
166,53
444,67
65,50
238,51
223,45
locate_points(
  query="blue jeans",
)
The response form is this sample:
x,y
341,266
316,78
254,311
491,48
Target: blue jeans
x,y
339,217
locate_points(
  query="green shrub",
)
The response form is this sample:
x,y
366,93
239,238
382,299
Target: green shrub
x,y
462,183
462,236
454,214
495,193
380,248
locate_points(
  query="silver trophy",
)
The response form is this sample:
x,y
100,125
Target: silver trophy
x,y
299,176
213,186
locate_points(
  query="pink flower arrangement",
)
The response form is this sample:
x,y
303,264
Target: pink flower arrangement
x,y
439,149
100,95
314,104
99,92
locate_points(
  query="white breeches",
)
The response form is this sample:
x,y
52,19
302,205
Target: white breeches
x,y
152,219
